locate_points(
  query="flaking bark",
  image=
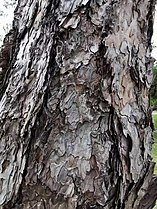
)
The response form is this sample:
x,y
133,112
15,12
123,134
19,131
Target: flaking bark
x,y
74,113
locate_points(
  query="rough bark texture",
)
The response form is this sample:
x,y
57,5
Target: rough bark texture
x,y
75,120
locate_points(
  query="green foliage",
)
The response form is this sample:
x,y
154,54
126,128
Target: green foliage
x,y
154,148
153,102
155,207
153,91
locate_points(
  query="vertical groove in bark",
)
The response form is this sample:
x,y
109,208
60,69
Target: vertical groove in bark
x,y
75,116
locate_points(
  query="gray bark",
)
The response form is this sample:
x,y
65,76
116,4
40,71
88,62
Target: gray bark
x,y
75,119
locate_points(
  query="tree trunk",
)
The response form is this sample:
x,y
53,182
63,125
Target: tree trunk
x,y
74,113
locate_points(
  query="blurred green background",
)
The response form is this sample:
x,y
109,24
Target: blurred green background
x,y
153,101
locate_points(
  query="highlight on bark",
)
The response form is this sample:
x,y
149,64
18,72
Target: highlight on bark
x,y
75,117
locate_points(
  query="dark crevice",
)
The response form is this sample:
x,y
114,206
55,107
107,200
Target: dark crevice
x,y
150,19
22,34
8,54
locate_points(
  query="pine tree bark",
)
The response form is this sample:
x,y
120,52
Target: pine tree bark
x,y
75,118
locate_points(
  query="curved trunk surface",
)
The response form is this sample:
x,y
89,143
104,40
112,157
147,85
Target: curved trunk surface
x,y
75,119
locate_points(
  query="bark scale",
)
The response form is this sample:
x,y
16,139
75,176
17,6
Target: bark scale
x,y
74,113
